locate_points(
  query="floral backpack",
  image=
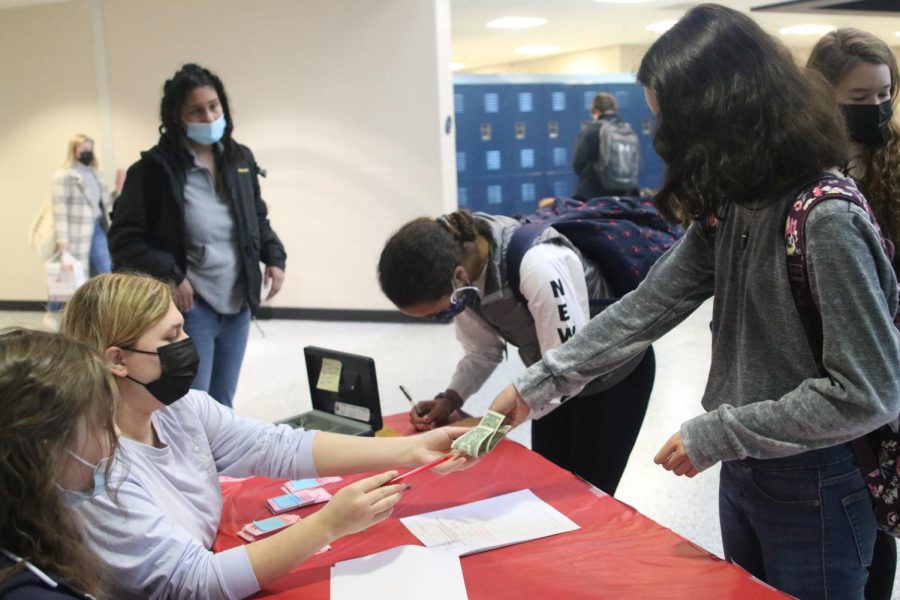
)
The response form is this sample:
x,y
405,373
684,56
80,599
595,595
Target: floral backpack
x,y
877,453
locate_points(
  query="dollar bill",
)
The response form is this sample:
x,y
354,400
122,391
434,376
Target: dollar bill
x,y
484,437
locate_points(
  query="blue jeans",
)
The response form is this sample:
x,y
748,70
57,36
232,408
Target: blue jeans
x,y
803,524
99,258
221,341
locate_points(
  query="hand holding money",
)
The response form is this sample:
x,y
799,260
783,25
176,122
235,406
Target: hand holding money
x,y
481,439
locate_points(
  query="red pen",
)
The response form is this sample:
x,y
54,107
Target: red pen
x,y
433,463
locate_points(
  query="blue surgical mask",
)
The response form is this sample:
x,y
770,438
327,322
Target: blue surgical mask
x,y
206,133
460,298
76,497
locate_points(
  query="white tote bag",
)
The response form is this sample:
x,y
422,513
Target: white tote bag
x,y
65,274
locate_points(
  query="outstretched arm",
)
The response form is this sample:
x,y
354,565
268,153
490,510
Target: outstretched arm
x,y
335,454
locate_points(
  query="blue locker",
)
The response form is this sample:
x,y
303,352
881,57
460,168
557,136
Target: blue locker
x,y
514,140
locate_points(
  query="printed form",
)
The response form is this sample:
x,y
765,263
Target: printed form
x,y
491,523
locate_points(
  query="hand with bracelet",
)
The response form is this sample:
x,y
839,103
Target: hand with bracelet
x,y
428,414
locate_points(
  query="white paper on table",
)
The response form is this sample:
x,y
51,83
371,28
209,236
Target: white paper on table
x,y
487,524
393,573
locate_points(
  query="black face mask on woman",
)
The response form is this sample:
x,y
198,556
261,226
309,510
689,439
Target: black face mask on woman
x,y
86,158
179,362
868,123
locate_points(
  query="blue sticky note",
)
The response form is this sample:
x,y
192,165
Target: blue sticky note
x,y
302,484
269,524
287,501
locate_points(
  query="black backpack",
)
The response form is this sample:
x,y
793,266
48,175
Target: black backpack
x,y
618,163
876,453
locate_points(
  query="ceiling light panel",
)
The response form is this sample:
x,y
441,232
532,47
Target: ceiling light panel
x,y
538,49
806,29
515,22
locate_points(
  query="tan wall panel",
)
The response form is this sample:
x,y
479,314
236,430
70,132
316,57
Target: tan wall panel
x,y
344,106
47,93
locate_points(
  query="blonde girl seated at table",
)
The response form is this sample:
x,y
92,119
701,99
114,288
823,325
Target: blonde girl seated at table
x,y
56,436
157,532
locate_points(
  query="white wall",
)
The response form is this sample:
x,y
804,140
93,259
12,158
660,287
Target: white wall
x,y
624,58
343,102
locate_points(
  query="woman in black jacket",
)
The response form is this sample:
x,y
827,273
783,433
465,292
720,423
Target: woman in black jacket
x,y
191,213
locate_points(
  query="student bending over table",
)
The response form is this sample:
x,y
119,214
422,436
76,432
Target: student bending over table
x,y
157,530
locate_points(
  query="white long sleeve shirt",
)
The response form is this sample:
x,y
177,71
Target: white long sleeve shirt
x,y
157,534
552,278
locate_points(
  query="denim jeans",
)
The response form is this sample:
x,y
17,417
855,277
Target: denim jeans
x,y
99,259
221,341
803,524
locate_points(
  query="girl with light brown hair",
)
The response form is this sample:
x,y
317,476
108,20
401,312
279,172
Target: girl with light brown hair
x,y
157,533
862,69
57,435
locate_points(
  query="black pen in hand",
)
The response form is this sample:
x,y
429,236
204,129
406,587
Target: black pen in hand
x,y
411,401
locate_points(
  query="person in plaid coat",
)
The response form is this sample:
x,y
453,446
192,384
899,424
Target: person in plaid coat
x,y
81,205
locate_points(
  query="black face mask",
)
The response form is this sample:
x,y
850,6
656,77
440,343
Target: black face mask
x,y
179,362
86,158
868,123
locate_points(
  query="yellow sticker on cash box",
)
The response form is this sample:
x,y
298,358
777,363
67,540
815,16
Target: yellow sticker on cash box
x,y
329,375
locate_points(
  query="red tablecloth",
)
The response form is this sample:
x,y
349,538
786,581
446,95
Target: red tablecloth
x,y
617,553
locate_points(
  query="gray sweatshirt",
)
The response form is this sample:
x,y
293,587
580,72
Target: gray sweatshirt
x,y
764,395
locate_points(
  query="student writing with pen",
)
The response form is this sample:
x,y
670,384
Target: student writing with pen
x,y
453,268
459,417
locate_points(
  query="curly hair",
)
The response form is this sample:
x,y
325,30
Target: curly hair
x,y
417,262
834,56
175,92
738,118
49,387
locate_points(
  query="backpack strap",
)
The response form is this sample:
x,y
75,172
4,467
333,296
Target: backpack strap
x,y
827,187
522,240
823,188
532,226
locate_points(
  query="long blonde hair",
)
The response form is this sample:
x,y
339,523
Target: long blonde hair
x,y
835,55
49,385
75,141
115,309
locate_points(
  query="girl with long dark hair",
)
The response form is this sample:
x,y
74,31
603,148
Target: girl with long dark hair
x,y
743,131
